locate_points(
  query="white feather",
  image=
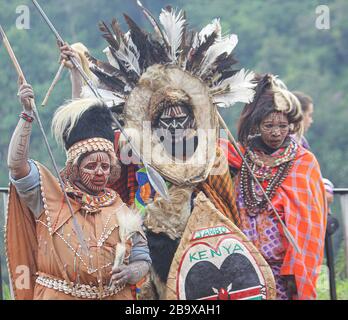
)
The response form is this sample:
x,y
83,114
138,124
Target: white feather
x,y
131,45
130,57
208,30
226,44
109,97
173,27
111,58
66,117
129,223
239,87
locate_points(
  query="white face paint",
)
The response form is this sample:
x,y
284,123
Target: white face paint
x,y
94,172
274,129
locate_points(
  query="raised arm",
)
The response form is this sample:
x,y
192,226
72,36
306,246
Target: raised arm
x,y
19,146
76,80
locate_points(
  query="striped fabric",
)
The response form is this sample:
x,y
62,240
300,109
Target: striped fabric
x,y
301,199
126,185
218,188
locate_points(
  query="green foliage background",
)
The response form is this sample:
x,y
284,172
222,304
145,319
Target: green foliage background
x,y
274,36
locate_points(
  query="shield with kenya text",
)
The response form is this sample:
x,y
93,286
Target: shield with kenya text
x,y
216,261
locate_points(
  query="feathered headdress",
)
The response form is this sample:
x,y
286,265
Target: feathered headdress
x,y
198,65
206,55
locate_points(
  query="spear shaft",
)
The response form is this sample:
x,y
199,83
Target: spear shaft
x,y
155,178
20,73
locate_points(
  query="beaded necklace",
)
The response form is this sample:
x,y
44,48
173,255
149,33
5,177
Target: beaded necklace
x,y
89,203
263,166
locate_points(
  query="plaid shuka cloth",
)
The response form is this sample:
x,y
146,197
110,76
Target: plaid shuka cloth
x,y
219,189
301,198
126,185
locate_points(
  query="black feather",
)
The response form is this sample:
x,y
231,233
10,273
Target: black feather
x,y
105,66
96,122
224,62
151,51
111,81
107,34
140,39
196,58
131,76
117,31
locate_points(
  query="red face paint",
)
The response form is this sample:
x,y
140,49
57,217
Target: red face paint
x,y
94,171
274,129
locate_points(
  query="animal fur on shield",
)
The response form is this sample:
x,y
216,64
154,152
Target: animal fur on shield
x,y
147,73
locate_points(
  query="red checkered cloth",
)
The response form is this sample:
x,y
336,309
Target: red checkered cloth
x,y
126,185
301,198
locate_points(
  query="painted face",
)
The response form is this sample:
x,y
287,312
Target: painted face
x,y
308,117
177,129
274,129
94,171
175,120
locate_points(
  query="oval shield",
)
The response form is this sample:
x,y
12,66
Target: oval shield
x,y
215,261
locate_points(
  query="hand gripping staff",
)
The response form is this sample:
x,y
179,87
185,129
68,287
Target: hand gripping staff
x,y
20,73
155,178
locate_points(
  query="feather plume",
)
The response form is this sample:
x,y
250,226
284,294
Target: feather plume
x,y
107,34
129,223
154,23
220,47
206,32
238,88
107,74
130,57
197,55
119,48
106,67
110,98
173,25
140,39
111,58
66,117
117,30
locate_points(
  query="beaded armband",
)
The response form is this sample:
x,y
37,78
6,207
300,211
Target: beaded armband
x,y
26,117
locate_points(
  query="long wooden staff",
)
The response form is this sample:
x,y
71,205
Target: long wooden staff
x,y
287,233
20,73
53,84
155,178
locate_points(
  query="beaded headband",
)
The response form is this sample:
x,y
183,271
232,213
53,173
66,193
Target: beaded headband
x,y
89,145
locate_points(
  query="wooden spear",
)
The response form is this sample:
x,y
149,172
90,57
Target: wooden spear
x,y
20,73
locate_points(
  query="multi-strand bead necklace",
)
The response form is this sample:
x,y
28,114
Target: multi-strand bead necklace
x,y
263,166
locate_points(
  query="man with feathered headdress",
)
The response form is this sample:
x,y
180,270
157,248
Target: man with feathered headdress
x,y
167,86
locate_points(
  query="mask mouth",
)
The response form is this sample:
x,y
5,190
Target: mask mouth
x,y
180,144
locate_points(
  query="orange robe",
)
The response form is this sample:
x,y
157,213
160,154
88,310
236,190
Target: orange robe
x,y
300,200
48,247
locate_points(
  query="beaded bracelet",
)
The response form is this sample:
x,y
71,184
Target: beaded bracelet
x,y
26,117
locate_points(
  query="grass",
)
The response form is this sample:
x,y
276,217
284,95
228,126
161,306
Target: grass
x,y
323,286
6,292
